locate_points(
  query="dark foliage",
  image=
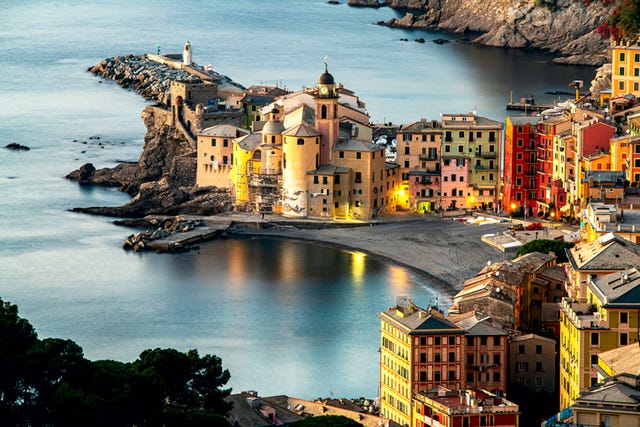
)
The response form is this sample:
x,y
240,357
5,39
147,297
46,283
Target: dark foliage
x,y
545,246
49,382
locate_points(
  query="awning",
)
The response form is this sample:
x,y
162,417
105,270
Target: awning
x,y
565,208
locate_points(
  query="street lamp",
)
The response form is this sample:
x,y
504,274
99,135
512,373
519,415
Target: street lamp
x,y
513,209
552,215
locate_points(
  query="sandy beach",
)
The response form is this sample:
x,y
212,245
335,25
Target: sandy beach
x,y
445,250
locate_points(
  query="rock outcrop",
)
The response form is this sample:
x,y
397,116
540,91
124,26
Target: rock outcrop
x,y
602,80
163,179
564,28
16,147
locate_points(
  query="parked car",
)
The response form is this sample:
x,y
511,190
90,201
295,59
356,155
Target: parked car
x,y
517,227
534,226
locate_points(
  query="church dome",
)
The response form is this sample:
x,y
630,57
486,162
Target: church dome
x,y
273,127
326,79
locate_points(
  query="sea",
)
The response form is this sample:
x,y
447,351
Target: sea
x,y
286,317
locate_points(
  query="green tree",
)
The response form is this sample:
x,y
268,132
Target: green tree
x,y
545,246
328,421
17,337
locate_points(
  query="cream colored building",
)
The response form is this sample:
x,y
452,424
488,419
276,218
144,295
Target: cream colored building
x,y
215,155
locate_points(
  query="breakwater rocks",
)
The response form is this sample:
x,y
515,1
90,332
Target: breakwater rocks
x,y
564,27
162,228
150,79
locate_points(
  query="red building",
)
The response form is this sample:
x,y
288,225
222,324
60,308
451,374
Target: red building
x,y
519,185
547,131
592,136
463,408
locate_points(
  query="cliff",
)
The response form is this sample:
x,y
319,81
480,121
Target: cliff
x,y
561,27
163,179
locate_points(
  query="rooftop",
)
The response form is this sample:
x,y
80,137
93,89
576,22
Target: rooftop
x,y
608,252
625,359
618,290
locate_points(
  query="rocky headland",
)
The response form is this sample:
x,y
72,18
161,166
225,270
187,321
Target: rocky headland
x,y
564,28
162,181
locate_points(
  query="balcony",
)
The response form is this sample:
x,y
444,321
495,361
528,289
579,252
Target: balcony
x,y
487,155
427,157
579,314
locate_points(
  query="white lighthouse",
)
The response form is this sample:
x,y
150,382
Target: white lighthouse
x,y
186,54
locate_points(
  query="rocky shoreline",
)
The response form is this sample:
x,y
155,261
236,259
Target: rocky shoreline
x,y
565,30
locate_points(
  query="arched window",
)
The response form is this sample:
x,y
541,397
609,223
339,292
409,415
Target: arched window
x,y
257,155
323,113
300,141
273,139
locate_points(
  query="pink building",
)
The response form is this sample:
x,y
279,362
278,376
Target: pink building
x,y
454,189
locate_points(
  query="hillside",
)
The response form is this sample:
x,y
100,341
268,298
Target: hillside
x,y
562,27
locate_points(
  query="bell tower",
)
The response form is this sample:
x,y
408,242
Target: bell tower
x,y
327,120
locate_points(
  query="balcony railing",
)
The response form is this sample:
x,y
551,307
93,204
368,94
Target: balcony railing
x,y
488,155
427,157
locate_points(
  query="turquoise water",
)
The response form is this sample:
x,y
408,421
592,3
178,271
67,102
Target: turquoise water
x,y
286,317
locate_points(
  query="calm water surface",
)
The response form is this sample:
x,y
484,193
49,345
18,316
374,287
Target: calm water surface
x,y
286,317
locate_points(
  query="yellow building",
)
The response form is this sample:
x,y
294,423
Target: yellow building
x,y
419,350
215,155
477,140
625,68
603,318
309,161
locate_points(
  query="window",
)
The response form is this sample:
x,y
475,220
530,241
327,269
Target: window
x,y
595,338
436,357
358,177
496,377
621,71
358,155
213,142
497,340
436,376
423,340
323,112
452,356
315,180
636,57
423,376
447,136
483,340
447,148
521,349
460,149
469,378
225,142
461,134
406,163
469,359
496,359
624,317
522,366
624,338
539,382
336,205
452,375
621,56
538,366
469,341
492,137
423,357
436,340
301,142
225,160
459,162
336,180
452,340
594,359
538,349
